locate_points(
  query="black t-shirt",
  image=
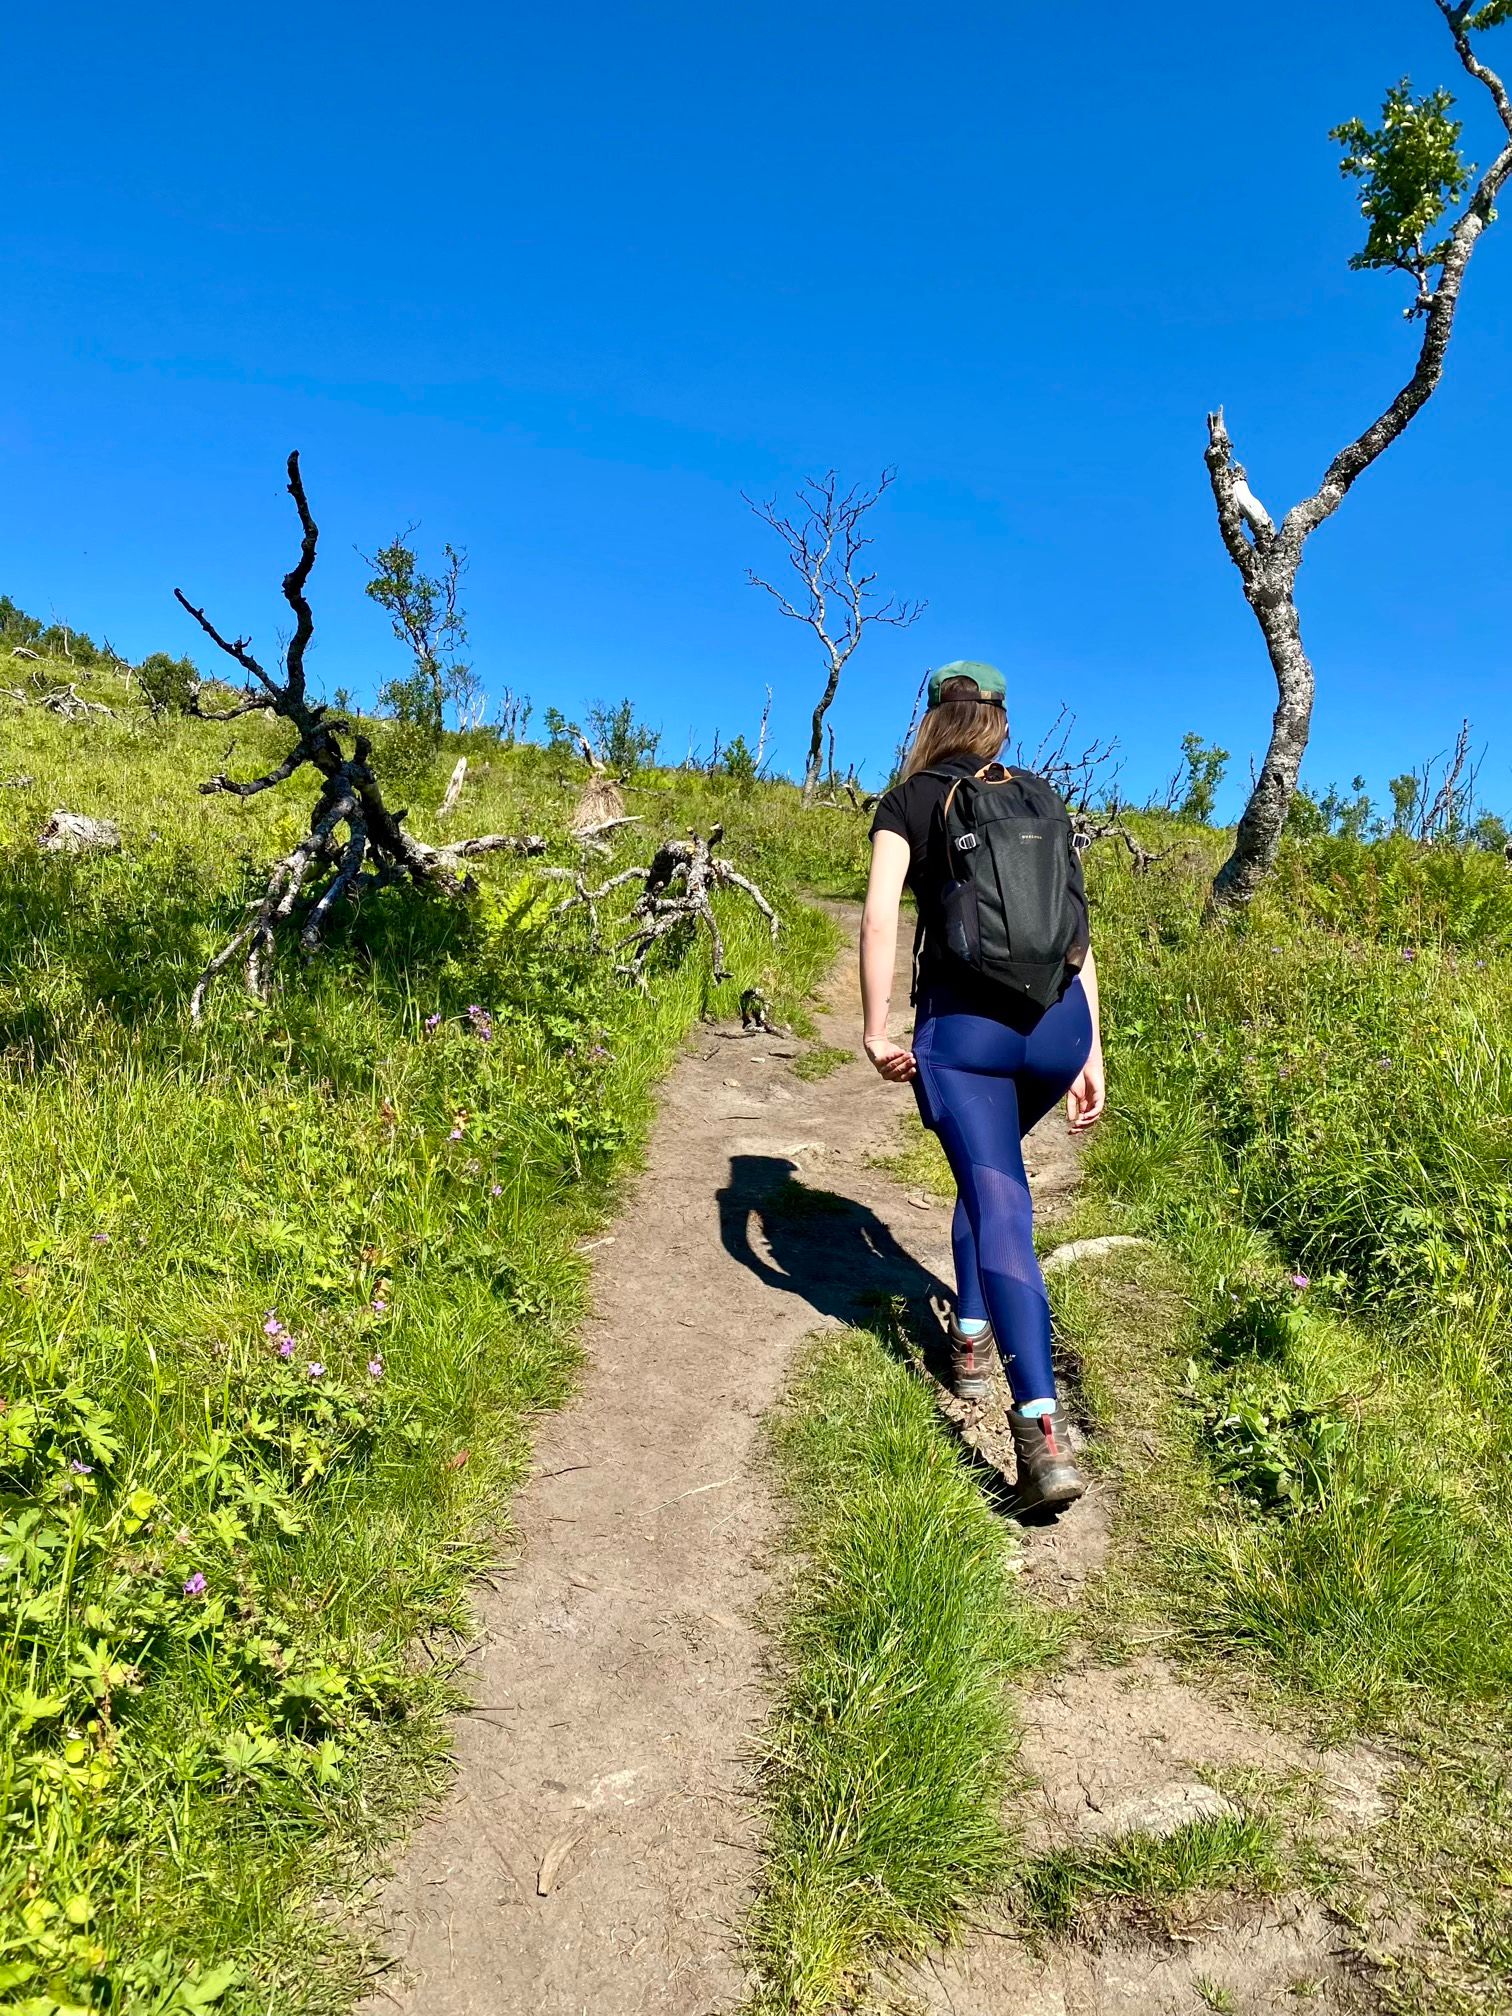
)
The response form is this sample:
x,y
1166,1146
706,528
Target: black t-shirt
x,y
909,809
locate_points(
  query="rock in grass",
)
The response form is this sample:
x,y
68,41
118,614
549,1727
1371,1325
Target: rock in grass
x,y
73,833
1157,1812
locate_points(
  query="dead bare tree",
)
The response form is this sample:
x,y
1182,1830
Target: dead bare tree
x,y
826,545
1411,173
355,843
676,888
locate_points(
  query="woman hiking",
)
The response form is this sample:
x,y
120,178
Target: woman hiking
x,y
1006,1024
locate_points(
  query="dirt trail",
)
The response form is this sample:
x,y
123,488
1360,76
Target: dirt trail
x,y
619,1679
620,1676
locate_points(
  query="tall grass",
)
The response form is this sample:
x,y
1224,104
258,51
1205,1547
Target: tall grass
x,y
1324,1124
279,1298
1313,1112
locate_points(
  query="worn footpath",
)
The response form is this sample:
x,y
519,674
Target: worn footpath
x,y
598,1850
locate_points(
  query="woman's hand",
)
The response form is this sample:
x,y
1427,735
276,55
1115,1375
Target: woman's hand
x,y
894,1063
1088,1096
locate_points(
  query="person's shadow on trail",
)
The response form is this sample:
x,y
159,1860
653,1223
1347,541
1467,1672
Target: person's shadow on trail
x,y
844,1262
833,1252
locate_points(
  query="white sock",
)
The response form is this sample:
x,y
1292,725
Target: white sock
x,y
1034,1408
972,1326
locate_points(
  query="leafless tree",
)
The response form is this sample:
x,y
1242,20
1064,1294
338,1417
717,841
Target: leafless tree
x,y
355,842
826,547
1412,173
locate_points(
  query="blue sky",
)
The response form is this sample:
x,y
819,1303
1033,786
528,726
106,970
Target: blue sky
x,y
561,282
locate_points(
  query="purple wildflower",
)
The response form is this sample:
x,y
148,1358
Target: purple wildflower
x,y
196,1585
1301,1281
1408,953
286,1347
99,1238
375,1368
433,1021
271,1326
379,1305
315,1369
496,1189
455,1134
81,1469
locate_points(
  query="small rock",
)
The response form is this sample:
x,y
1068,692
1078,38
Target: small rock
x,y
72,833
1159,1811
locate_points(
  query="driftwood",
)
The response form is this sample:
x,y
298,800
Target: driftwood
x,y
73,833
65,701
676,888
355,842
453,789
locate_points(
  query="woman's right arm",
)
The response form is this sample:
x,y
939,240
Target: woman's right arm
x,y
1088,1097
879,955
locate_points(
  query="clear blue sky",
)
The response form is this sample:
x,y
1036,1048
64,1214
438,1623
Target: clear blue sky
x,y
561,281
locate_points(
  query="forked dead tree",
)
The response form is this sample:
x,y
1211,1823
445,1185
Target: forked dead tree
x,y
1411,174
826,546
355,843
675,895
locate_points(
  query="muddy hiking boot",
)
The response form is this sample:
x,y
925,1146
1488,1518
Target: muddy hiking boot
x,y
1047,1477
971,1363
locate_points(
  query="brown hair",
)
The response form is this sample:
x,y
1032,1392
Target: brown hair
x,y
962,724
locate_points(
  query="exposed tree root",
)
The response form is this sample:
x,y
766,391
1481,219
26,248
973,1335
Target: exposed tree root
x,y
675,892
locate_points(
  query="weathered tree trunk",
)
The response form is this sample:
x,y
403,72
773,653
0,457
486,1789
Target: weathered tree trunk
x,y
813,769
1264,819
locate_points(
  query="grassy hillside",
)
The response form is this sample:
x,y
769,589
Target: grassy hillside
x,y
280,1295
278,1299
1311,1416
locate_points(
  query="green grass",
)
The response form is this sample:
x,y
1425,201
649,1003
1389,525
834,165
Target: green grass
x,y
819,1061
892,1742
190,1764
1306,1395
1224,1852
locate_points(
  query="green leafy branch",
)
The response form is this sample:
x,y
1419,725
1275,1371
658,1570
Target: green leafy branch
x,y
1411,172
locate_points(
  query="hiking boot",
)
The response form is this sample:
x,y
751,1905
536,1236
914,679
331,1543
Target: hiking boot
x,y
1047,1477
970,1363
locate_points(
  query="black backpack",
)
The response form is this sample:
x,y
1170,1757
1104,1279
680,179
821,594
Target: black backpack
x,y
1014,906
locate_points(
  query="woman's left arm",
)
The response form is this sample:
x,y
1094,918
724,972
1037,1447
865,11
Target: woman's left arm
x,y
1089,1095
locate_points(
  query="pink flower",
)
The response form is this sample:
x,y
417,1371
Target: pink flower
x,y
315,1369
375,1368
272,1327
433,1021
496,1189
286,1347
1301,1281
379,1305
455,1134
196,1585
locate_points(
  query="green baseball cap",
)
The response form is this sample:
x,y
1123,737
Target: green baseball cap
x,y
990,683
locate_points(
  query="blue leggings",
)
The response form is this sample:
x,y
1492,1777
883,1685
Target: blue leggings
x,y
981,1086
